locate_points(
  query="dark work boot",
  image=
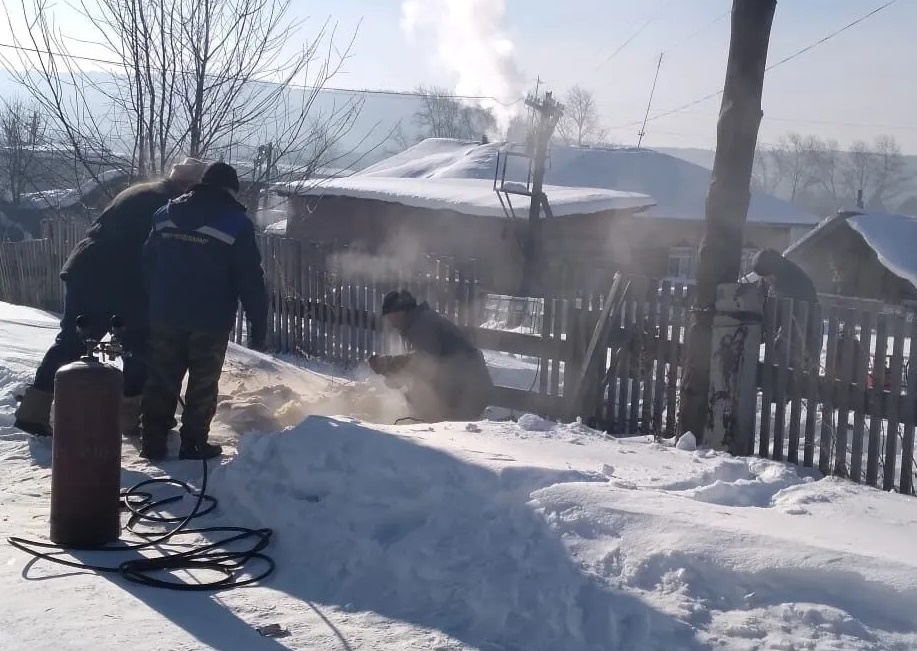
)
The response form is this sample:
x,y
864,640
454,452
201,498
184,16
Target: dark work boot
x,y
199,451
33,416
154,448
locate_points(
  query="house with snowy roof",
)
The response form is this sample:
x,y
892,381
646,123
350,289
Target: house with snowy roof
x,y
862,254
659,238
460,218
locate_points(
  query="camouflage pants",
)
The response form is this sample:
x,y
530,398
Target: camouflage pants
x,y
174,352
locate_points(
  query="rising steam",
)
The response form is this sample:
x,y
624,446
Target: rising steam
x,y
472,45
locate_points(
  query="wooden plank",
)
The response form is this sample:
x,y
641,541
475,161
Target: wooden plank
x,y
647,352
337,321
827,430
783,363
811,389
875,402
768,378
859,403
662,353
894,413
797,380
845,374
299,272
679,314
321,296
549,332
623,365
906,485
594,357
524,401
558,317
639,290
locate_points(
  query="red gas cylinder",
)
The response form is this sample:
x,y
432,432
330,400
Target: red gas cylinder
x,y
86,455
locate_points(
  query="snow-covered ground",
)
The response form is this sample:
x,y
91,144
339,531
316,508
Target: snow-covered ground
x,y
491,535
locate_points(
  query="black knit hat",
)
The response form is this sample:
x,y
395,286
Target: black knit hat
x,y
221,175
398,301
767,262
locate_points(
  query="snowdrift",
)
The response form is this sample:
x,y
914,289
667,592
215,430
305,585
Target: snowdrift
x,y
505,536
415,534
525,535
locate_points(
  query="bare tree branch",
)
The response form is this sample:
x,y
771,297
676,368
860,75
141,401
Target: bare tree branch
x,y
580,124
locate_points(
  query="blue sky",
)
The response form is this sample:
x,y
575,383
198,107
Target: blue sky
x,y
857,85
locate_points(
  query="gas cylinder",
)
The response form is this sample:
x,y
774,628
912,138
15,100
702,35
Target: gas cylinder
x,y
86,455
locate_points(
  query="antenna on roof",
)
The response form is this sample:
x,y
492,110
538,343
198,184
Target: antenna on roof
x,y
646,117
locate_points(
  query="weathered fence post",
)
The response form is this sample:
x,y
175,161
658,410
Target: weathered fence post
x,y
733,368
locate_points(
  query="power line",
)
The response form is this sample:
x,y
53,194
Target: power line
x,y
787,59
838,123
352,91
698,31
665,4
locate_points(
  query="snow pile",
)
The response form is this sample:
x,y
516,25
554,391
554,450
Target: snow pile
x,y
468,196
471,536
384,525
678,188
686,442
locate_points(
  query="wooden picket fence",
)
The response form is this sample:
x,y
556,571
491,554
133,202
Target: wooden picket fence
x,y
852,414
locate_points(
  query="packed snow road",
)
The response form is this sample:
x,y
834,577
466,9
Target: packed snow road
x,y
485,536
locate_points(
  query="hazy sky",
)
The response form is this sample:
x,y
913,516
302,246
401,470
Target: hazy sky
x,y
857,85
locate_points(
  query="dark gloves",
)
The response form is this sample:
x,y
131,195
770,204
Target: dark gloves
x,y
375,363
387,364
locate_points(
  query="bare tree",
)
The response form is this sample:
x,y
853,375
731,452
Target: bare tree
x,y
22,132
765,176
196,77
581,123
795,159
441,115
826,170
877,171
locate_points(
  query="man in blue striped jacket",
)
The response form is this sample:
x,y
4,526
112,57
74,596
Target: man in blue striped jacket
x,y
201,260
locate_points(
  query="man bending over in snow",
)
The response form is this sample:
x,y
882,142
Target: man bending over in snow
x,y
787,280
103,277
201,258
444,376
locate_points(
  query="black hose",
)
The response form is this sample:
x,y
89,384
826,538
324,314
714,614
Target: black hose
x,y
212,556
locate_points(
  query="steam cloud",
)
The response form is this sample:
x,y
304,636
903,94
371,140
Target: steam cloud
x,y
472,46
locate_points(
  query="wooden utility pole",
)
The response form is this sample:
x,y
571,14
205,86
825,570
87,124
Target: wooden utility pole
x,y
728,197
547,114
649,103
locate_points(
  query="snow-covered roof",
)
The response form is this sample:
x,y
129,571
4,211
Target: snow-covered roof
x,y
678,187
470,196
892,237
67,197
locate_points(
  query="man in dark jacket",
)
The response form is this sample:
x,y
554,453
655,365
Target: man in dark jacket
x,y
103,277
787,280
444,376
202,259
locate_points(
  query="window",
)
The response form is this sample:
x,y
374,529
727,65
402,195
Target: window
x,y
681,262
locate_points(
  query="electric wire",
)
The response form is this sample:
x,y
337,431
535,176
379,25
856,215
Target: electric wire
x,y
325,88
776,64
